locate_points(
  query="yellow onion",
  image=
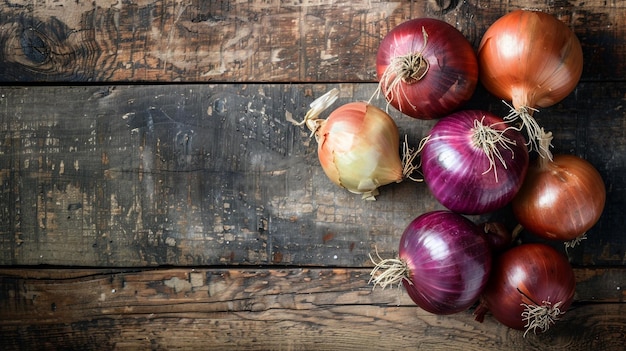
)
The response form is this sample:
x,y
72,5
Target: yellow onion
x,y
358,145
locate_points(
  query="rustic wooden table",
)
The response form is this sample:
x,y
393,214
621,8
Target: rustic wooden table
x,y
154,195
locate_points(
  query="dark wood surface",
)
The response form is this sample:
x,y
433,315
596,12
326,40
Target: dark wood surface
x,y
154,175
251,41
154,195
270,309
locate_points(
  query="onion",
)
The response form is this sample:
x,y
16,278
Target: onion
x,y
443,263
497,235
426,68
358,146
473,162
531,59
530,287
562,197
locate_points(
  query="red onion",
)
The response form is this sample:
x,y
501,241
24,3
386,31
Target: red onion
x,y
530,287
443,263
426,68
473,162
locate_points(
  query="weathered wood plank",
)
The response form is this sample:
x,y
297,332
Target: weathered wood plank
x,y
257,309
296,41
214,174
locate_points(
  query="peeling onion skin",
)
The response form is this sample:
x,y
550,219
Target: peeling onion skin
x,y
359,148
560,199
526,274
457,171
449,262
452,75
530,58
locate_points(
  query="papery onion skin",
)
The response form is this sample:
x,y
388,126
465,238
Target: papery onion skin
x,y
560,199
530,58
527,274
359,148
452,75
448,261
457,171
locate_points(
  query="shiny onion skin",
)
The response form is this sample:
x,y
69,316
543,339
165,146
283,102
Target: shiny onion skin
x,y
358,145
426,68
443,262
358,148
560,199
531,59
458,171
531,286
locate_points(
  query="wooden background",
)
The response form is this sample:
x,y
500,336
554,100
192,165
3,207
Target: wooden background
x,y
154,194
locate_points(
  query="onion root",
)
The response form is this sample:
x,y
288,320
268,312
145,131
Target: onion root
x,y
540,317
533,129
409,155
392,272
574,242
408,69
490,140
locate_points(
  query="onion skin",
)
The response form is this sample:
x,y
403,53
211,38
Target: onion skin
x,y
560,199
457,171
529,274
530,58
359,148
451,77
448,262
497,235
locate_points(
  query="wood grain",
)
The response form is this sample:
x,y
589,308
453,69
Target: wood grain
x,y
260,309
148,175
245,41
154,195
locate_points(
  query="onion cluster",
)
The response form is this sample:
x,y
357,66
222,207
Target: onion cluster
x,y
474,163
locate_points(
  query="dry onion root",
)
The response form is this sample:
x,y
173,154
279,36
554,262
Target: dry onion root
x,y
492,141
359,146
540,316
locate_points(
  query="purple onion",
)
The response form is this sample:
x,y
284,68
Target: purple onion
x,y
474,162
443,262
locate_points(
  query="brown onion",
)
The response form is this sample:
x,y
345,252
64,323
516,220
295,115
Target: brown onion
x,y
531,59
561,198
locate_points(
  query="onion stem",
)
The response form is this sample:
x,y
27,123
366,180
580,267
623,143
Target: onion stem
x,y
409,69
491,141
516,231
545,142
394,271
319,105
